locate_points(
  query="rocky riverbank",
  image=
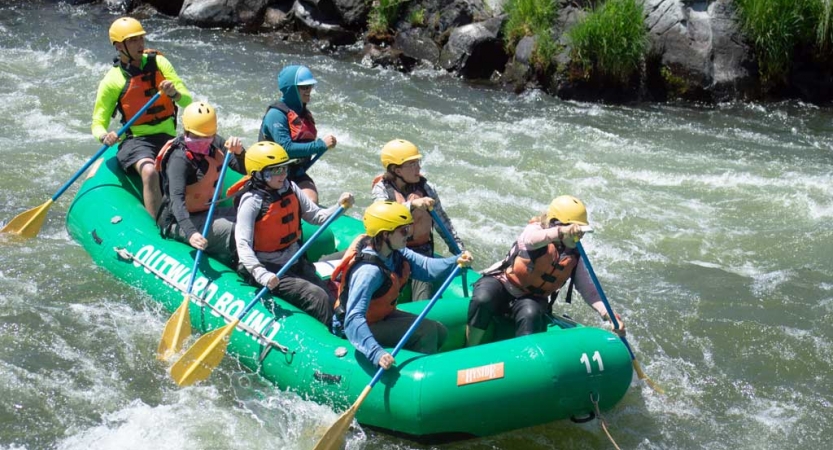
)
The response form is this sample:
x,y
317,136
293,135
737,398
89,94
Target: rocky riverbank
x,y
695,49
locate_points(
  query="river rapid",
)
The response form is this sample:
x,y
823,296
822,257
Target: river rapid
x,y
713,241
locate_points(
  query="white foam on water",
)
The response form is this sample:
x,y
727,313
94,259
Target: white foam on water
x,y
234,121
765,284
776,417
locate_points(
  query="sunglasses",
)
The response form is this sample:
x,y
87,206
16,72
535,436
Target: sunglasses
x,y
404,230
274,172
415,164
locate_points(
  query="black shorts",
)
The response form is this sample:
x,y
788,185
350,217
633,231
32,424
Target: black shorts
x,y
136,148
300,178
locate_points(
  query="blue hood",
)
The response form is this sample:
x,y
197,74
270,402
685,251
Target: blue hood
x,y
288,85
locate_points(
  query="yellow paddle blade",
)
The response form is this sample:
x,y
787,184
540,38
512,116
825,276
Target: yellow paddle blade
x,y
333,439
176,331
205,355
642,376
28,223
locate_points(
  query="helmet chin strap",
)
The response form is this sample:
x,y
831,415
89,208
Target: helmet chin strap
x,y
398,177
124,52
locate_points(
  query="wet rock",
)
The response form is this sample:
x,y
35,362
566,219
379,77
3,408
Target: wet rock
x,y
699,47
278,17
322,23
375,55
418,43
247,14
167,7
353,13
475,50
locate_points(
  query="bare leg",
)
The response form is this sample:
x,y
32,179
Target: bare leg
x,y
474,336
151,192
310,190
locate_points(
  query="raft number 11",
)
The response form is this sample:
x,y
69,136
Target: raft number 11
x,y
596,357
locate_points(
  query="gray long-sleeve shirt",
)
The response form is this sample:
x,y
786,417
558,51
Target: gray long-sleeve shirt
x,y
247,212
182,171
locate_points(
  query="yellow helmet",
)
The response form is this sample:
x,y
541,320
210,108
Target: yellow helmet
x,y
199,118
567,209
125,27
399,151
385,216
265,154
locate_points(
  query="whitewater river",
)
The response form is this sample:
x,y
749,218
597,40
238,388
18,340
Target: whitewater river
x,y
713,241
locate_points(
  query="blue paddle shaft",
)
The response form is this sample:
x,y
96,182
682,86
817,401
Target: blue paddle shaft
x,y
601,292
294,258
104,148
208,217
418,320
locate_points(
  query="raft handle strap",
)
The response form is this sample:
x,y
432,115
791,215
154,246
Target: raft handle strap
x,y
598,414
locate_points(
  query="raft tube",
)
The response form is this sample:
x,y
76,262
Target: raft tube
x,y
457,393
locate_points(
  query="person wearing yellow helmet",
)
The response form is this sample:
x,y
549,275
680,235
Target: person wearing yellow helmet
x,y
402,182
289,123
189,167
137,74
371,275
524,285
269,212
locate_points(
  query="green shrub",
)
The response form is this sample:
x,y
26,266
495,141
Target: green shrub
x,y
382,15
611,39
417,17
824,28
776,27
527,18
544,52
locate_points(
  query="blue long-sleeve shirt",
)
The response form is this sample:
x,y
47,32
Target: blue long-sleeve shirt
x,y
275,127
368,278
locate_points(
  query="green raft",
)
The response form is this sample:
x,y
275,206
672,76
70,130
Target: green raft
x,y
456,393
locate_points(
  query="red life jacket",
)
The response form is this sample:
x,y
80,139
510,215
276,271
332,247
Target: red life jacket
x,y
542,271
301,128
140,86
278,223
383,301
423,222
197,195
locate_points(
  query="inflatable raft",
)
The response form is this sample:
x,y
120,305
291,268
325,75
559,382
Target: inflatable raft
x,y
459,392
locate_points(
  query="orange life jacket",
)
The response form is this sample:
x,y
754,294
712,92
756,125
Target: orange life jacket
x,y
141,85
197,195
301,129
383,301
423,222
278,223
542,271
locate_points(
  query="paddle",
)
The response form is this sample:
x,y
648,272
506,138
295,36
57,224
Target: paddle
x,y
333,439
612,316
178,327
28,223
200,360
452,245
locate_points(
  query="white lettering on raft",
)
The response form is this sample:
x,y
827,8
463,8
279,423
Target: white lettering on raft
x,y
479,374
175,273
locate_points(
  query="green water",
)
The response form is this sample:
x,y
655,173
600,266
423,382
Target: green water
x,y
713,240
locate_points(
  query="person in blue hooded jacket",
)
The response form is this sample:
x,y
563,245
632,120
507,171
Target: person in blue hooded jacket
x,y
289,123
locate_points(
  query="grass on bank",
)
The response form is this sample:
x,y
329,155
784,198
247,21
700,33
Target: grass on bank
x,y
777,27
531,18
611,39
824,28
383,14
